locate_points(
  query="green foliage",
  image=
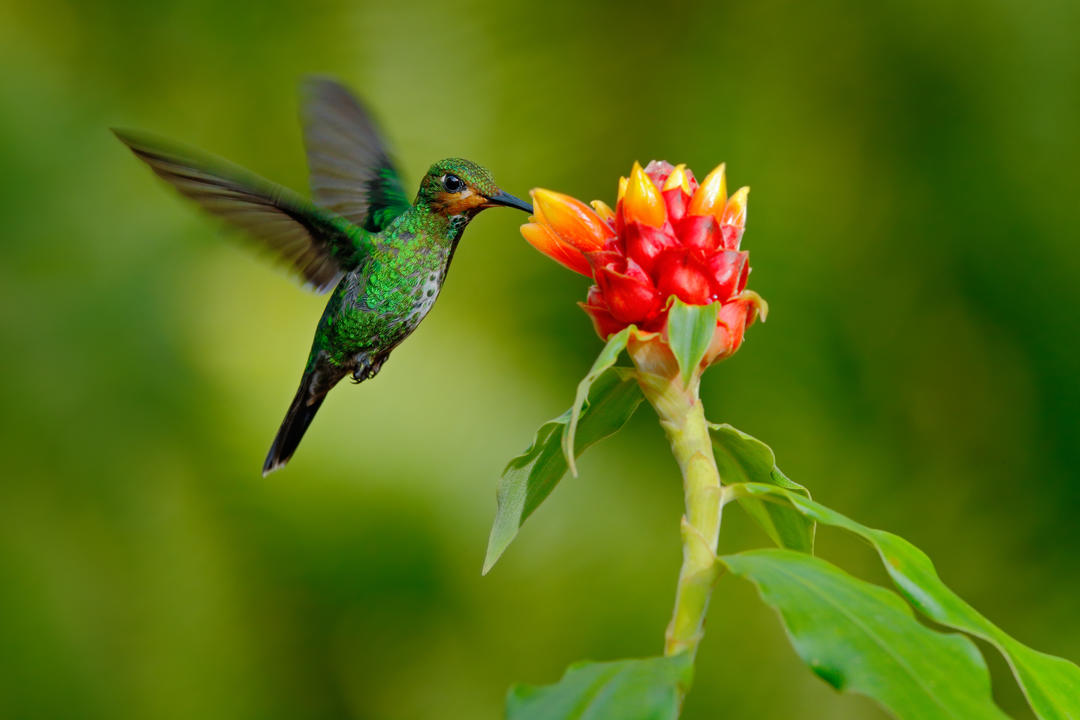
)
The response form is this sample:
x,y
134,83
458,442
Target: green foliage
x,y
1051,684
530,477
857,636
741,458
862,638
607,357
690,331
640,689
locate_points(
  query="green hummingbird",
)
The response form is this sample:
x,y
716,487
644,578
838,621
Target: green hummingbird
x,y
385,259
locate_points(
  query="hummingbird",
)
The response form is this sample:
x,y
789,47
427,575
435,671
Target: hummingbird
x,y
385,259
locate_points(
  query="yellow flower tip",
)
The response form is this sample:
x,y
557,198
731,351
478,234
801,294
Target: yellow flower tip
x,y
711,195
735,210
643,201
603,210
537,213
678,179
533,231
543,198
571,220
622,187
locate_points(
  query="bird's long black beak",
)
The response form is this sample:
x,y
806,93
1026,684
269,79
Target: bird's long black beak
x,y
508,200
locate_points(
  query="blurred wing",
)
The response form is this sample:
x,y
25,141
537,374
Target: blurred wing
x,y
351,170
318,245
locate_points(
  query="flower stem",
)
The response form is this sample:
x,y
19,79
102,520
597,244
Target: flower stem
x,y
683,418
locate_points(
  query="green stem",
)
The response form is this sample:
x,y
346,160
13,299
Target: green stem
x,y
683,418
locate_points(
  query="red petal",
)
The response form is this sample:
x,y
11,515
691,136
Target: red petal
x,y
627,290
729,270
733,315
732,236
616,244
730,328
604,322
644,243
723,345
682,273
700,231
677,202
656,324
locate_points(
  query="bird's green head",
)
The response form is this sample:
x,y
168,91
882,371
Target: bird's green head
x,y
455,187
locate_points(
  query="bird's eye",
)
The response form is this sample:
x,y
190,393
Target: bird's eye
x,y
453,183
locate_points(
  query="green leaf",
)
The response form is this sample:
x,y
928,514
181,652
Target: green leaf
x,y
1051,684
640,689
690,332
530,477
607,357
741,458
863,638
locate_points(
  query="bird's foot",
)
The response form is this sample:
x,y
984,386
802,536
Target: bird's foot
x,y
367,367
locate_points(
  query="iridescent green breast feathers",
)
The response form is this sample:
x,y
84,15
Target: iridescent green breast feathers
x,y
386,259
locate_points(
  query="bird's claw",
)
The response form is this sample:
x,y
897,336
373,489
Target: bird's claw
x,y
366,369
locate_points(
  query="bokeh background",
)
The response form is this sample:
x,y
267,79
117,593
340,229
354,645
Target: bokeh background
x,y
913,223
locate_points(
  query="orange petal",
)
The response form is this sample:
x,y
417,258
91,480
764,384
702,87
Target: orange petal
x,y
735,210
678,179
711,195
543,239
571,219
643,202
606,213
622,188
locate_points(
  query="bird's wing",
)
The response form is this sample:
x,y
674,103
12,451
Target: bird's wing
x,y
351,170
316,243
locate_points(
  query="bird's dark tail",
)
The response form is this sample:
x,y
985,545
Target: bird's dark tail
x,y
308,399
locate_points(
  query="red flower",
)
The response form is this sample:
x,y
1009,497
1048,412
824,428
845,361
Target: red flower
x,y
668,237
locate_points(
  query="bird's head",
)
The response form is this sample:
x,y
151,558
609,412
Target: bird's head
x,y
460,188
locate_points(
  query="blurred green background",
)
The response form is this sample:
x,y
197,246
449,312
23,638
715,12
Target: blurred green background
x,y
913,223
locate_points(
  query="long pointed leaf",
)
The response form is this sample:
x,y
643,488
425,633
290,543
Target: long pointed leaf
x,y
863,638
530,477
1051,684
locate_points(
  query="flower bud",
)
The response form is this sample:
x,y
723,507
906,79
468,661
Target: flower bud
x,y
711,196
667,237
642,202
546,241
572,220
735,210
